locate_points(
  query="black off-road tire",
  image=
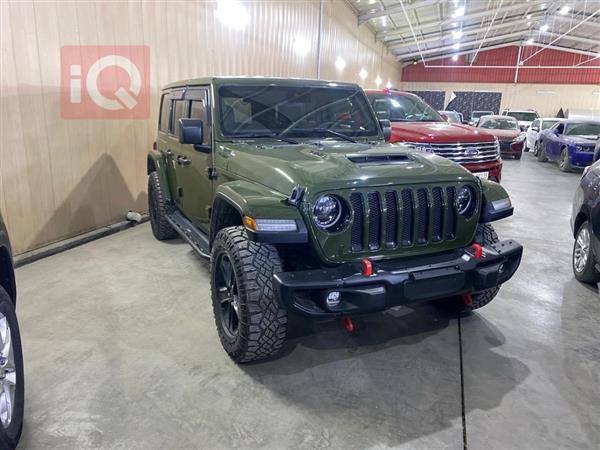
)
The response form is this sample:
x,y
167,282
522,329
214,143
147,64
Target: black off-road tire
x,y
541,153
263,323
157,207
9,436
588,274
485,235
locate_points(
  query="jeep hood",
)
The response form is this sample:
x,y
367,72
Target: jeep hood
x,y
437,133
333,165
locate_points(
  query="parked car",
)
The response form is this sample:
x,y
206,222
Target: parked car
x,y
585,224
476,115
507,130
419,126
11,352
570,142
534,130
290,189
524,117
452,116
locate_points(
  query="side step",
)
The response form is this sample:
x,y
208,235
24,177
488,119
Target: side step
x,y
196,238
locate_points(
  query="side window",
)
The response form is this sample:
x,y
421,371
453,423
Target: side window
x,y
536,123
163,121
381,107
560,128
199,110
179,111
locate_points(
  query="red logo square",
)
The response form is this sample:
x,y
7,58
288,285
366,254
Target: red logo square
x,y
105,82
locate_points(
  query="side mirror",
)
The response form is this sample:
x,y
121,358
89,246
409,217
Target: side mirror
x,y
191,131
386,127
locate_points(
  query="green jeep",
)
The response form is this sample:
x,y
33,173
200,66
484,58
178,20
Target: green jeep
x,y
289,188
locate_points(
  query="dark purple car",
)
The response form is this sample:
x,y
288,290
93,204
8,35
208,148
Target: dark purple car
x,y
570,143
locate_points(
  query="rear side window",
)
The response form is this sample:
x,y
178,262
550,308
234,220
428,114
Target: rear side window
x,y
165,104
179,111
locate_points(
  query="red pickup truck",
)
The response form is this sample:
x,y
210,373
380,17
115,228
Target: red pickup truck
x,y
418,125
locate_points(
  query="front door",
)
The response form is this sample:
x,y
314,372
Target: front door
x,y
192,165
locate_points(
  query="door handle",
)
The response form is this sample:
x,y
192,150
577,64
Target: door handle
x,y
183,161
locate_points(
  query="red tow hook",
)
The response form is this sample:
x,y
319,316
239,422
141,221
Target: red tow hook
x,y
348,324
467,299
367,267
477,251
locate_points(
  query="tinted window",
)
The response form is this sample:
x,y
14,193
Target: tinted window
x,y
199,110
499,124
247,111
583,129
179,111
403,108
548,123
164,113
526,116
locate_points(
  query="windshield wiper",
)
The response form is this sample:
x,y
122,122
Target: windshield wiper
x,y
334,133
264,136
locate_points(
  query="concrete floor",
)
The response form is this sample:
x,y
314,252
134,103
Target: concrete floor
x,y
121,353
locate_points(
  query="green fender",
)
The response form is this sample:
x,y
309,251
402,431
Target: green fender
x,y
156,163
496,203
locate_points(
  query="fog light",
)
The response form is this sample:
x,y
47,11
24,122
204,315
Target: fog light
x,y
333,299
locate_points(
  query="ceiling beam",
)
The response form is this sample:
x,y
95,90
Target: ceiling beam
x,y
465,32
572,20
429,51
395,9
388,34
513,43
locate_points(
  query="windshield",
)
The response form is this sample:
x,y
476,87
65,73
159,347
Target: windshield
x,y
524,116
548,123
583,129
403,108
499,124
453,116
305,111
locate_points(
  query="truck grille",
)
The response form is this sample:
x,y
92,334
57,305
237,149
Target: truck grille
x,y
402,218
475,152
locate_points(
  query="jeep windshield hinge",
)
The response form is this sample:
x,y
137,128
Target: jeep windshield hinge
x,y
212,173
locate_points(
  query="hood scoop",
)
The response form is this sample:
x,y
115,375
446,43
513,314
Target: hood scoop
x,y
380,159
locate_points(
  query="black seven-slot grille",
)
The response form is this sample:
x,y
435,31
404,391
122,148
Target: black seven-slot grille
x,y
401,218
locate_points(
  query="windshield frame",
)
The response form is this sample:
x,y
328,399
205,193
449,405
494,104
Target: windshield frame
x,y
223,136
374,96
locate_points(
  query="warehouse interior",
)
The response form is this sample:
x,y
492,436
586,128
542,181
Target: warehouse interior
x,y
121,341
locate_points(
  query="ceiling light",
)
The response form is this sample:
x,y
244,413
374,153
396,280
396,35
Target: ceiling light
x,y
564,10
378,81
340,64
529,41
363,74
301,45
543,6
459,12
457,34
528,24
454,57
456,46
529,16
414,62
544,28
232,13
388,84
384,21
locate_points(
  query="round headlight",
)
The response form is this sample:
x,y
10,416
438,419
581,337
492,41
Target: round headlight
x,y
327,211
465,201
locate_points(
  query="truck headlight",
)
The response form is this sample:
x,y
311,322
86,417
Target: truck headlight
x,y
327,212
465,201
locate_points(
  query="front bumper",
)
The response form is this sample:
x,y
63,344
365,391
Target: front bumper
x,y
493,168
582,159
396,283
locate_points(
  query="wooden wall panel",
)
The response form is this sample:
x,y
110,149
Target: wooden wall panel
x,y
60,178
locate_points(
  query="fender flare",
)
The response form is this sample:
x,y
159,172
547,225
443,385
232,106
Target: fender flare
x,y
495,202
157,163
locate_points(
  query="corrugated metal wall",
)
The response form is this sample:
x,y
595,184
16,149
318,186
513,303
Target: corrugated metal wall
x,y
530,72
59,178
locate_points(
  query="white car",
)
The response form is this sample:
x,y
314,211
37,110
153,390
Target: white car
x,y
524,117
543,123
